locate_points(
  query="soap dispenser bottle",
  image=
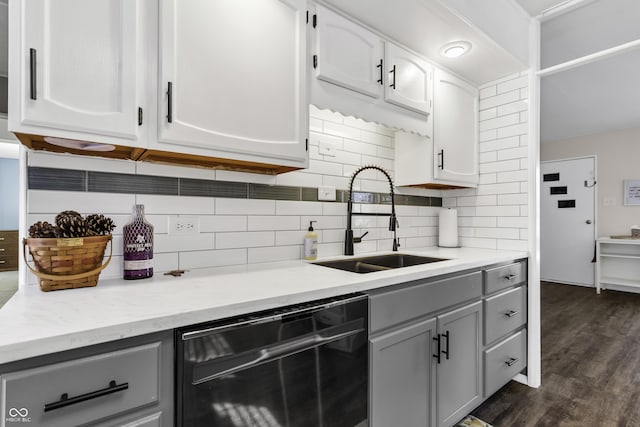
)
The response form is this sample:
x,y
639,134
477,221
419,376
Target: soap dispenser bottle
x,y
311,243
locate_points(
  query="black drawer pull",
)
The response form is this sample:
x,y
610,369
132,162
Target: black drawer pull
x,y
510,276
512,361
446,341
393,85
441,163
437,355
380,66
32,74
65,400
170,102
511,313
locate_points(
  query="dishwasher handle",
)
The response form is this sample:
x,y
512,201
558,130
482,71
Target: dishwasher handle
x,y
210,370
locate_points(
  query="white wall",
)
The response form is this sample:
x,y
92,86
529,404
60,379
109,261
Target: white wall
x,y
240,231
495,215
618,155
9,189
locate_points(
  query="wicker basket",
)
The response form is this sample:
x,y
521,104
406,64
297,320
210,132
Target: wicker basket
x,y
67,263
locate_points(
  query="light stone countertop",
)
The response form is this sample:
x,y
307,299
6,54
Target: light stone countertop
x,y
35,323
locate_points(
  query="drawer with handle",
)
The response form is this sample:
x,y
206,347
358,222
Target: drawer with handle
x,y
503,361
499,278
83,390
504,312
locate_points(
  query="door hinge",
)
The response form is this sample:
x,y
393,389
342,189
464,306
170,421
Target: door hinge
x,y
315,20
315,61
139,116
306,144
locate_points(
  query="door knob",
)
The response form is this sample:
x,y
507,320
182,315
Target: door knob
x,y
588,221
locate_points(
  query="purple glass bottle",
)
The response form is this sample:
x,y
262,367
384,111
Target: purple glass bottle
x,y
138,246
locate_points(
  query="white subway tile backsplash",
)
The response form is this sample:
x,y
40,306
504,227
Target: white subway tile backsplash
x,y
47,202
292,237
336,129
489,156
513,222
249,239
346,157
330,249
512,199
340,182
245,207
385,164
500,166
299,179
512,245
360,124
333,208
488,92
478,221
315,138
287,207
513,107
500,188
360,147
376,138
278,253
154,204
488,178
217,223
513,153
500,122
280,222
498,233
513,130
315,125
488,114
488,135
476,242
498,100
517,83
499,144
329,236
217,258
513,176
325,222
498,211
324,167
179,242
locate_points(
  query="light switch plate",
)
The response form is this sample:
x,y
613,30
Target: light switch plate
x,y
184,225
327,193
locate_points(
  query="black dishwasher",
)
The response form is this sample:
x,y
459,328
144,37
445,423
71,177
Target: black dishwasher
x,y
298,366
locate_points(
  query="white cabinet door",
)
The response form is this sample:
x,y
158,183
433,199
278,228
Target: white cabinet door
x,y
233,79
455,129
79,62
347,54
408,79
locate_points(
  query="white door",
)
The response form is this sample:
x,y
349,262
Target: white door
x,y
408,79
455,129
347,54
567,221
232,78
80,60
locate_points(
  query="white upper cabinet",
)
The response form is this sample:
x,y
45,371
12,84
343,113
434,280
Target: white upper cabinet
x,y
79,65
347,54
455,129
233,79
408,79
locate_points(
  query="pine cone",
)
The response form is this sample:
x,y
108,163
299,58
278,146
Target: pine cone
x,y
99,225
70,224
42,230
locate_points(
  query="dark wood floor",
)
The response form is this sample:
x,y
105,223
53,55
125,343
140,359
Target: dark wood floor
x,y
590,364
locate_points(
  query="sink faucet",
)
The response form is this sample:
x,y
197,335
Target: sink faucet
x,y
393,221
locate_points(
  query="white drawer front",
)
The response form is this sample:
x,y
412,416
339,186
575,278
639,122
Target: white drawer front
x,y
95,387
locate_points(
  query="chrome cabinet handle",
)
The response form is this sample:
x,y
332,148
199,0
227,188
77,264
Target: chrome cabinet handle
x,y
512,361
511,313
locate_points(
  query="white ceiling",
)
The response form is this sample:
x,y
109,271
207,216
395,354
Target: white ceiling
x,y
536,7
425,26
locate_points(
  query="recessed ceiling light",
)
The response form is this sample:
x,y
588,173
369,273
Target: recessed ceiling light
x,y
79,145
455,49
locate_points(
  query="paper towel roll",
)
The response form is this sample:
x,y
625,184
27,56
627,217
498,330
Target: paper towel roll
x,y
448,228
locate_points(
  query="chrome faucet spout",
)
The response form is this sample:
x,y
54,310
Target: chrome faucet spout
x,y
393,220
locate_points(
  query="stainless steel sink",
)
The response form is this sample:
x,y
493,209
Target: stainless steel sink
x,y
378,263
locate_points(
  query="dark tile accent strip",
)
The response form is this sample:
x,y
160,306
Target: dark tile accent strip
x,y
73,180
104,182
274,192
57,179
205,188
310,194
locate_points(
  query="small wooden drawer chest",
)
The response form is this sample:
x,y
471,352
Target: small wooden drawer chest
x,y
8,250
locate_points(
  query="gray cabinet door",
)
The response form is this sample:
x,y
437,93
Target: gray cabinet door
x,y
402,385
459,371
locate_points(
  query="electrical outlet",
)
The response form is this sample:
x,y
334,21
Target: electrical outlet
x,y
326,149
327,193
184,225
609,201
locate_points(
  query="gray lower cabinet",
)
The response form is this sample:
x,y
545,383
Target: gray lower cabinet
x,y
402,377
124,383
459,373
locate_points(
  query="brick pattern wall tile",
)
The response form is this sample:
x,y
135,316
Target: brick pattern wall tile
x,y
495,214
236,231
